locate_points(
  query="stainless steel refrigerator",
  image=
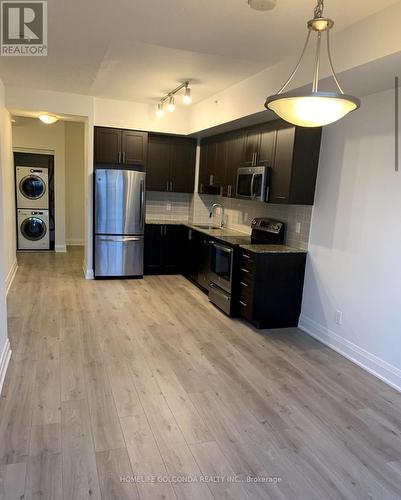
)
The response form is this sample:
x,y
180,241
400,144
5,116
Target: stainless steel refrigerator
x,y
119,223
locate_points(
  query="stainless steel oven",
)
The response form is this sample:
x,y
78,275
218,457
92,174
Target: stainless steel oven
x,y
253,183
221,275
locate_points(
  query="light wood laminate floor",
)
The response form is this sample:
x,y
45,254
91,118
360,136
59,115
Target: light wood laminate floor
x,y
110,380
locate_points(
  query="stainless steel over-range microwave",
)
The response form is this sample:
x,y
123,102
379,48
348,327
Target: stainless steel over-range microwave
x,y
253,183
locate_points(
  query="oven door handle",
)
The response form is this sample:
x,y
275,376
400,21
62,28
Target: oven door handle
x,y
220,247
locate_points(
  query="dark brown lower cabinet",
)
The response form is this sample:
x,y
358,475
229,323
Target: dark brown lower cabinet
x,y
197,258
270,287
164,249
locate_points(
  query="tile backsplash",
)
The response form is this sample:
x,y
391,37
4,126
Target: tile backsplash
x,y
238,214
168,206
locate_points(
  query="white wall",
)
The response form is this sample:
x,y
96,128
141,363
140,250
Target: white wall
x,y
5,156
33,134
355,242
8,210
138,116
75,183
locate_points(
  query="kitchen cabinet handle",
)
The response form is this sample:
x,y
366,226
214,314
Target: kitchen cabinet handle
x,y
171,186
243,284
281,197
161,230
246,256
167,186
120,240
201,188
123,156
245,270
211,179
243,303
223,249
119,157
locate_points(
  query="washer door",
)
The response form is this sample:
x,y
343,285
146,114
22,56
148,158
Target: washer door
x,y
32,187
33,229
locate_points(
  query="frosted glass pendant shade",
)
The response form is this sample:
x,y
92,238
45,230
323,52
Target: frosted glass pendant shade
x,y
312,110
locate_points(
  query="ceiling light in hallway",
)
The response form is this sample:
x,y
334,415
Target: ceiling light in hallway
x,y
313,109
48,119
262,4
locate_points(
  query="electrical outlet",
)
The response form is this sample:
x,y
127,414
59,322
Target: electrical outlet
x,y
168,207
298,227
339,317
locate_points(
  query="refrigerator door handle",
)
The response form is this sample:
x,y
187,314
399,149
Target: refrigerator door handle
x,y
142,204
119,239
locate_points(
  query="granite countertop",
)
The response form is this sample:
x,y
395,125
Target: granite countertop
x,y
167,222
230,236
272,249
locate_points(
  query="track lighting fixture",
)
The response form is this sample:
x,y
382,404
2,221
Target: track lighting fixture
x,y
169,99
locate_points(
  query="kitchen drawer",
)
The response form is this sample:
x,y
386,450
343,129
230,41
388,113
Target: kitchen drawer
x,y
246,275
245,288
245,308
247,262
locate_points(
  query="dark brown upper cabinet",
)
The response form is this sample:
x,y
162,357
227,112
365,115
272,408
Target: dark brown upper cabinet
x,y
259,145
158,168
251,147
119,146
220,158
134,147
182,172
295,165
235,145
171,164
212,166
107,145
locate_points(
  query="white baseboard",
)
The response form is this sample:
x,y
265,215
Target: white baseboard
x,y
88,273
11,275
75,242
60,248
389,374
4,360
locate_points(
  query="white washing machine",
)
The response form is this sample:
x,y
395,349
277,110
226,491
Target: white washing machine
x,y
32,187
33,230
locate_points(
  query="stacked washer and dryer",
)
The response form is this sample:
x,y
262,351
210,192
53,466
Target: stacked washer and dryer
x,y
32,197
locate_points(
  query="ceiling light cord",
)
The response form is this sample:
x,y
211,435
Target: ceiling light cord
x,y
318,12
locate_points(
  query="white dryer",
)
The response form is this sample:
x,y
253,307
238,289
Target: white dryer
x,y
32,187
33,229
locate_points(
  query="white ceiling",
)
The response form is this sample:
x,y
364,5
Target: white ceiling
x,y
139,49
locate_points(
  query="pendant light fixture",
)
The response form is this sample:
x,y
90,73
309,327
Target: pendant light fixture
x,y
315,108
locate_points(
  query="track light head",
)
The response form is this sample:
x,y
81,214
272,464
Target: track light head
x,y
160,110
171,104
187,96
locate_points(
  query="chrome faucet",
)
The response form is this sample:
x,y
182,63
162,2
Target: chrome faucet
x,y
218,205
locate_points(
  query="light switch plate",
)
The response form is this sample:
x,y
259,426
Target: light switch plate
x,y
298,227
